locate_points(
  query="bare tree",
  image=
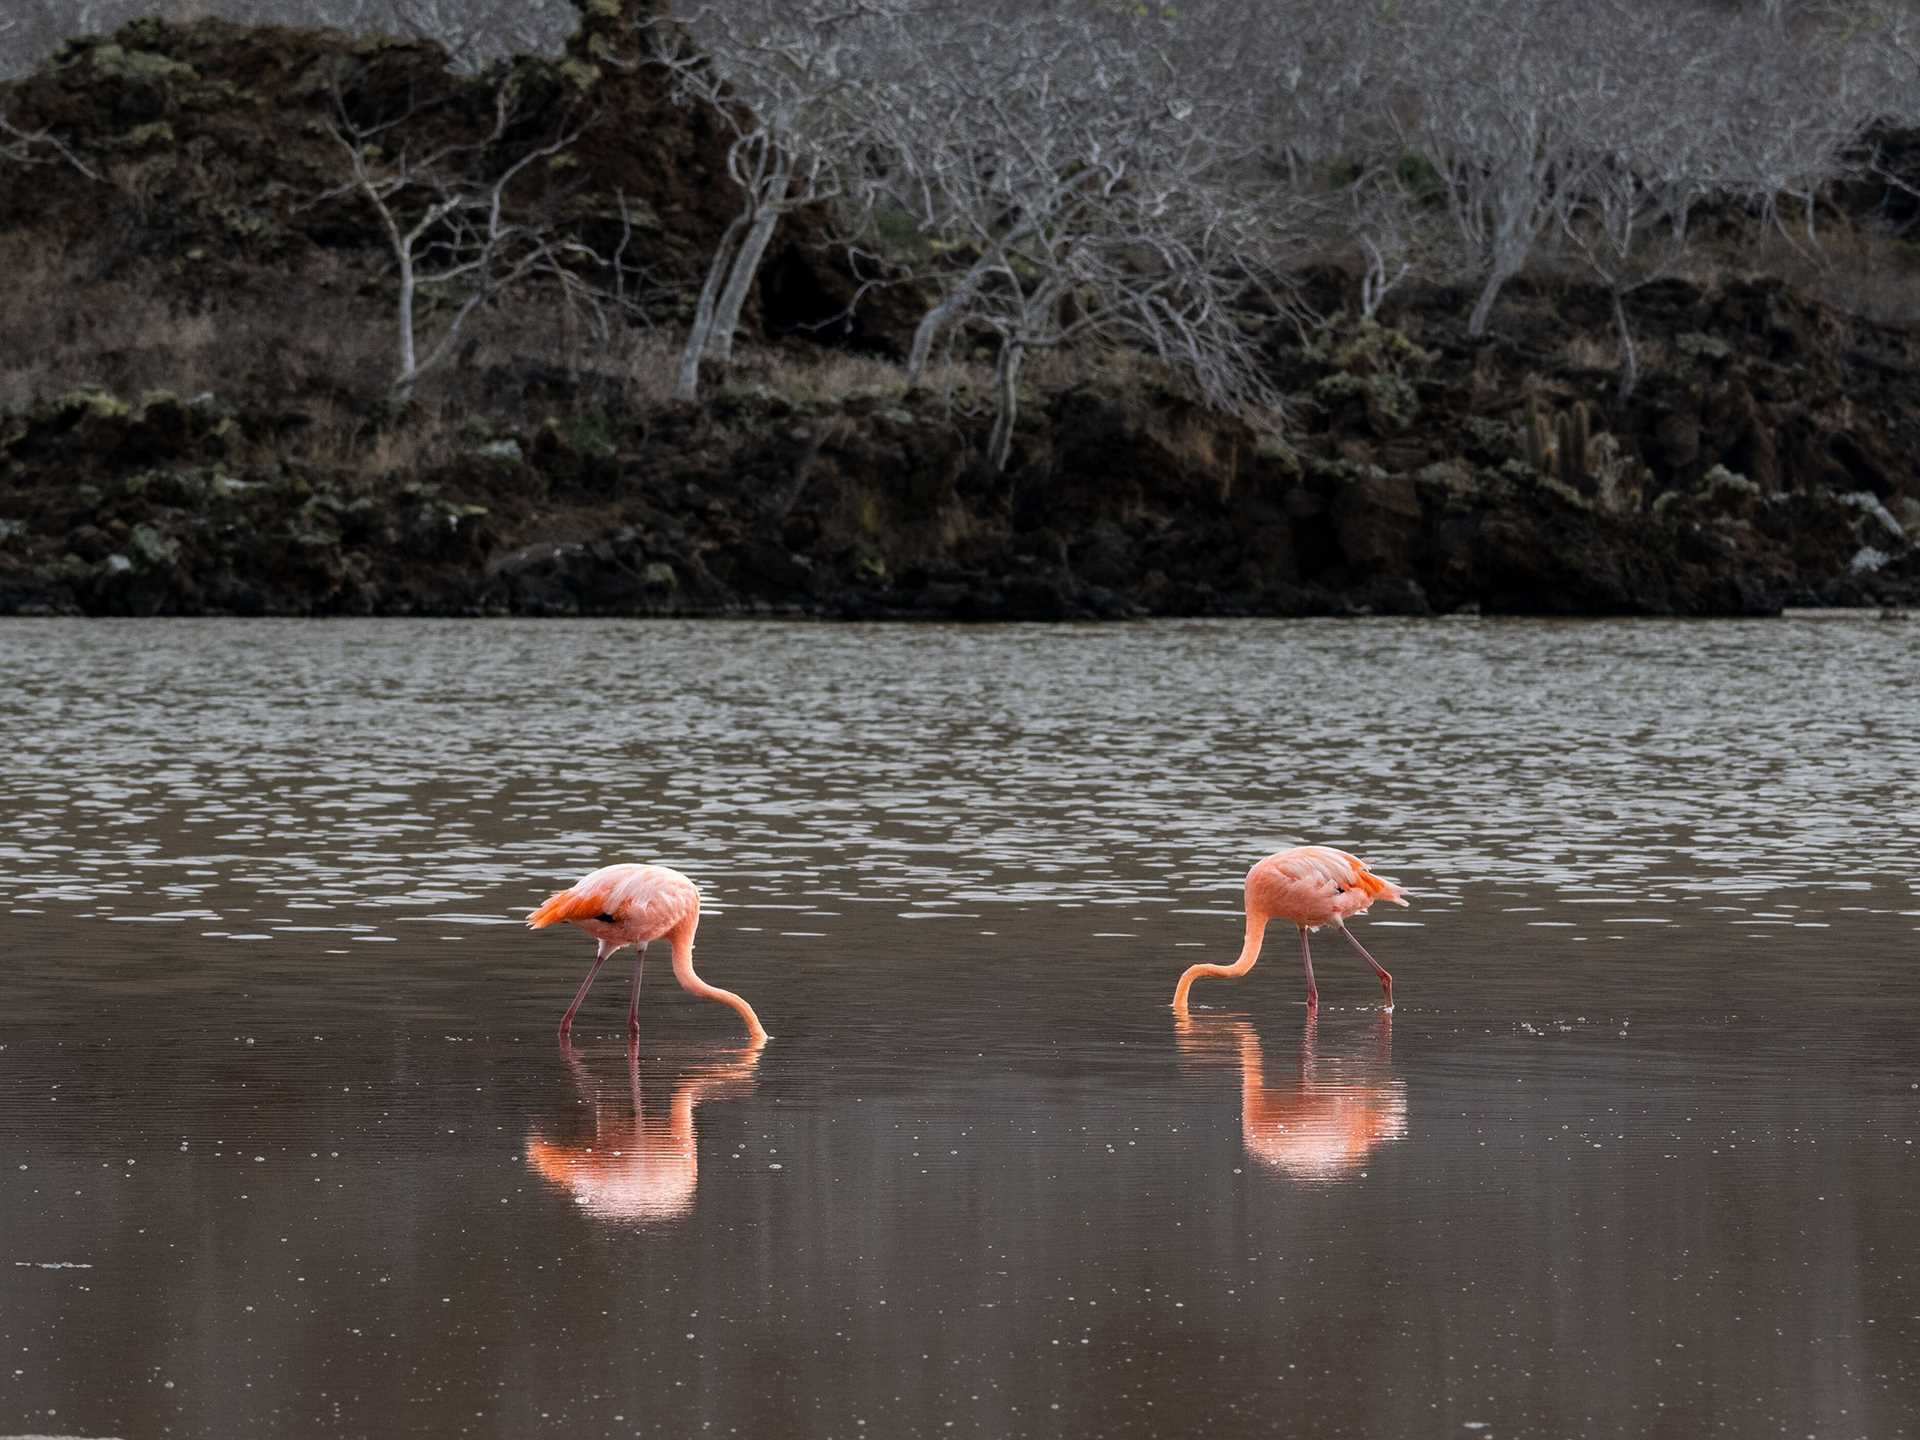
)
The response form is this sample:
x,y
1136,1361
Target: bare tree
x,y
1069,183
1657,152
472,34
455,226
1393,229
1507,105
38,147
781,75
1790,106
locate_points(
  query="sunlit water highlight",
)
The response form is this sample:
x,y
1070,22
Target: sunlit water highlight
x,y
288,1148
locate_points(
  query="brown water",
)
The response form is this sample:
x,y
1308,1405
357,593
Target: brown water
x,y
287,1147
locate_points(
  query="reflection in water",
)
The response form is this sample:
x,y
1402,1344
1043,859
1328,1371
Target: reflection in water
x,y
641,1166
265,1017
1321,1123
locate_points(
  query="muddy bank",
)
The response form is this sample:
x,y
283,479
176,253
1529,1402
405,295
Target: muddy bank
x,y
879,506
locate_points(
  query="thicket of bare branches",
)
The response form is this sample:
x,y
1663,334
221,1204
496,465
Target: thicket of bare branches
x,y
785,76
1104,174
465,231
1060,178
1087,173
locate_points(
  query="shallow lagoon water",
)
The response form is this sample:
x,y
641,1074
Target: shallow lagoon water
x,y
287,1146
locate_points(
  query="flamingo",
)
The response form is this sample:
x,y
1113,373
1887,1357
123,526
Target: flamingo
x,y
1320,1124
640,1167
1312,885
621,905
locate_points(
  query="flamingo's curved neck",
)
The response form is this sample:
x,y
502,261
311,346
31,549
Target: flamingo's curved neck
x,y
683,972
1249,952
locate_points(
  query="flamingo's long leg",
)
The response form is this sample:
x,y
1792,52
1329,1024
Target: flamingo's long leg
x,y
633,1006
566,1020
1386,980
1306,961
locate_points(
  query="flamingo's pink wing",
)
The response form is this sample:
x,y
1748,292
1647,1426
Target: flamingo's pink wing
x,y
652,900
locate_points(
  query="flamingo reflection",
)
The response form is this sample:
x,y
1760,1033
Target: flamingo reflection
x,y
1319,1123
642,1165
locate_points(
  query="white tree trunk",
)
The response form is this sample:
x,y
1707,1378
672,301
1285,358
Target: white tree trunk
x,y
746,265
409,357
1007,382
1629,358
1497,278
687,387
936,319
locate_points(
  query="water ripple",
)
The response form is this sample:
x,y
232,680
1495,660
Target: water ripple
x,y
368,772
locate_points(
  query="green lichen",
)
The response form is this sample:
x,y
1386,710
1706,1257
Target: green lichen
x,y
125,64
1374,348
155,136
1449,475
1724,484
1496,437
92,400
578,73
592,434
1343,471
1276,452
1364,347
1339,386
152,550
1703,347
242,223
1389,398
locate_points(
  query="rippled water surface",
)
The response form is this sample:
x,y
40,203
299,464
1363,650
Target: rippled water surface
x,y
287,1146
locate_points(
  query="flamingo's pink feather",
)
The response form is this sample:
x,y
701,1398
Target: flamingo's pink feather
x,y
1315,885
645,901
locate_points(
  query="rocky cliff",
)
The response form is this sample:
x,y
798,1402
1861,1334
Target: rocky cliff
x,y
1766,458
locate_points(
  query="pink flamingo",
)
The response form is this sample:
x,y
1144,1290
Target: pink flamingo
x,y
1311,886
1320,1123
621,905
640,1166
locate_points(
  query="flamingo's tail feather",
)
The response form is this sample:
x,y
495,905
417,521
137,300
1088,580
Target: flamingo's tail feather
x,y
1378,889
574,904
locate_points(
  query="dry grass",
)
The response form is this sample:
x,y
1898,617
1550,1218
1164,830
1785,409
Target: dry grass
x,y
61,326
824,378
1603,351
651,370
1591,352
1107,366
819,377
1858,268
